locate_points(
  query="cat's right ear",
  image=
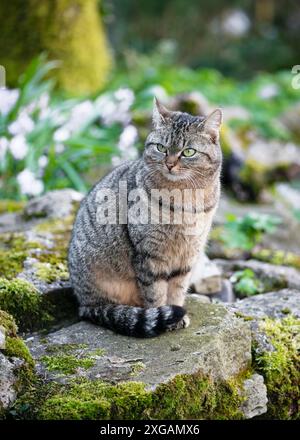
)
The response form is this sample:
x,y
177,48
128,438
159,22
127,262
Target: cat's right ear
x,y
160,114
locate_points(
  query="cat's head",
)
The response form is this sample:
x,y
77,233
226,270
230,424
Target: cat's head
x,y
183,147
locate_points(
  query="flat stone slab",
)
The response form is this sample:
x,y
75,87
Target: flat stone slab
x,y
217,343
281,274
273,304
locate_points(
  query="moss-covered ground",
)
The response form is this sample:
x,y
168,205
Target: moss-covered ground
x,y
15,347
280,367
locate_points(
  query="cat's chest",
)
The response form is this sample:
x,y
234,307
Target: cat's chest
x,y
179,250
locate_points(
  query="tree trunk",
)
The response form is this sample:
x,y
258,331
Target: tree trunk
x,y
67,30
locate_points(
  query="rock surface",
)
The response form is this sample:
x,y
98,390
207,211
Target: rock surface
x,y
216,344
274,274
206,277
273,304
255,393
2,338
216,348
54,204
7,382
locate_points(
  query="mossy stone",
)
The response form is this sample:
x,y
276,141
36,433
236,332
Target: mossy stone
x,y
15,348
280,366
23,301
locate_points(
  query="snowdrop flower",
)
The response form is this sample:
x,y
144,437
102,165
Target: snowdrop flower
x,y
115,107
268,91
22,125
59,148
18,147
236,23
80,114
3,147
128,137
43,101
29,185
61,134
107,109
43,161
8,99
126,95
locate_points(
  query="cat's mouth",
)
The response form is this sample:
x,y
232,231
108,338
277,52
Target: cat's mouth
x,y
173,173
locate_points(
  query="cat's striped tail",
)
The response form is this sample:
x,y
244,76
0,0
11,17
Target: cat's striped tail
x,y
134,321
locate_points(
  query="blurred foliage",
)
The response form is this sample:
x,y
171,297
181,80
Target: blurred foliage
x,y
143,73
95,126
65,161
246,283
245,232
207,34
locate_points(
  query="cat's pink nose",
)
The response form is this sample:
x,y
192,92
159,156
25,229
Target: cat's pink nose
x,y
170,165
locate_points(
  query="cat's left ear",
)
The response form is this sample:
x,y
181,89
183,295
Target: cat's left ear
x,y
160,114
212,124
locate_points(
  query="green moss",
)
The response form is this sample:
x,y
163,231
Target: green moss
x,y
31,310
280,258
12,254
63,348
11,206
67,358
8,323
22,300
137,368
245,317
281,367
182,398
14,249
15,347
51,272
67,363
97,352
198,397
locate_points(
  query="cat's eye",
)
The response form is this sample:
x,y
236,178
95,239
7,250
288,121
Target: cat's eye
x,y
189,152
161,148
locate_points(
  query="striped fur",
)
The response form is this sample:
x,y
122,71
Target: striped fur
x,y
132,278
135,321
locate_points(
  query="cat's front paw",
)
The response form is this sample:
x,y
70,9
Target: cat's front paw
x,y
183,323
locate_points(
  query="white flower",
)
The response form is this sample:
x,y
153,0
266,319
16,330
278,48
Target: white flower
x,y
128,137
29,185
59,148
115,107
80,115
22,125
3,147
61,134
268,91
126,95
8,99
18,147
43,101
43,161
236,23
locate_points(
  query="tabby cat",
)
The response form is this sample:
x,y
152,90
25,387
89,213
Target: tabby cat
x,y
132,277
